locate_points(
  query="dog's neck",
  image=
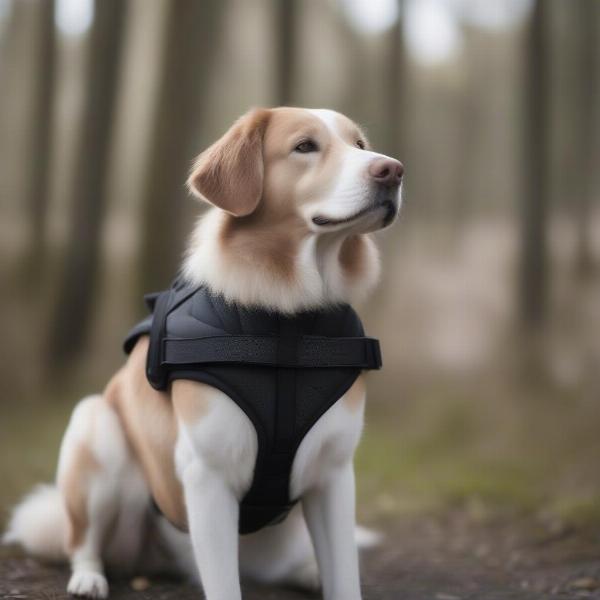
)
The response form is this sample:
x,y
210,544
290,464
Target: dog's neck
x,y
285,270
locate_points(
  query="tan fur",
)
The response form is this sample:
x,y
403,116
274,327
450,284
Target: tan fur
x,y
264,241
74,487
229,174
148,419
350,131
352,255
191,399
355,396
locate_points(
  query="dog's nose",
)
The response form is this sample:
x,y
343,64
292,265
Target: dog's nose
x,y
386,171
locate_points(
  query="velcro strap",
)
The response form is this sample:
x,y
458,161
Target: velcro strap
x,y
312,351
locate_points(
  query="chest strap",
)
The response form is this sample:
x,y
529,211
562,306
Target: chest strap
x,y
310,351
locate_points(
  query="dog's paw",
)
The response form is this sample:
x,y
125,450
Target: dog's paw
x,y
88,584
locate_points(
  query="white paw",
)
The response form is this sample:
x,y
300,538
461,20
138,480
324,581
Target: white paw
x,y
306,577
88,584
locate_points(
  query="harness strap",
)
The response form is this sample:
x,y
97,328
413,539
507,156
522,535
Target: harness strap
x,y
265,350
269,493
161,304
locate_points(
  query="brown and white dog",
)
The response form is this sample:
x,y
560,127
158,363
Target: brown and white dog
x,y
295,194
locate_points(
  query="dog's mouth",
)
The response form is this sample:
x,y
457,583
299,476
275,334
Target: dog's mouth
x,y
387,205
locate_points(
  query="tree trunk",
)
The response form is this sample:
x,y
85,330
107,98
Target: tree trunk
x,y
588,14
78,281
395,80
354,102
191,44
534,261
469,140
287,13
40,129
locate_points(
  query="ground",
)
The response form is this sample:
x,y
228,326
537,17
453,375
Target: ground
x,y
457,556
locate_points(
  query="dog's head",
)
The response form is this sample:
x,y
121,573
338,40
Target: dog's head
x,y
313,166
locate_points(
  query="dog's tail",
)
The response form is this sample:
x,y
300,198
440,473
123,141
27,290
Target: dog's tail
x,y
39,523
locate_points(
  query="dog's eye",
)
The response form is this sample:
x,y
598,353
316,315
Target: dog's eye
x,y
306,146
360,144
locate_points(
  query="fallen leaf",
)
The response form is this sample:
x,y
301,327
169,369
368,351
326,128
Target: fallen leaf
x,y
585,583
140,584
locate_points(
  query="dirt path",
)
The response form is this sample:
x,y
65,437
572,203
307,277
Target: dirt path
x,y
450,558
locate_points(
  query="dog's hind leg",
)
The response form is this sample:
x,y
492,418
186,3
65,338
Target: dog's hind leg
x,y
93,458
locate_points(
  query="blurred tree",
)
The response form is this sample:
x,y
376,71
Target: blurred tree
x,y
471,124
394,133
587,13
394,82
287,13
77,284
18,60
37,194
191,44
533,267
353,101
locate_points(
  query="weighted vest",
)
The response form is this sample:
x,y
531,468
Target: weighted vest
x,y
283,371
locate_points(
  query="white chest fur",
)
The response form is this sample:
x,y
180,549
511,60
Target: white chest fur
x,y
224,441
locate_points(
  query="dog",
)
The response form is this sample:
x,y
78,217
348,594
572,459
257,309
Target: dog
x,y
294,194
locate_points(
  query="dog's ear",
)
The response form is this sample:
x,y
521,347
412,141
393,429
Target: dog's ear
x,y
229,174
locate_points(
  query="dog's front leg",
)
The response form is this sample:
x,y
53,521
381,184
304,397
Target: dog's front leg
x,y
213,513
330,516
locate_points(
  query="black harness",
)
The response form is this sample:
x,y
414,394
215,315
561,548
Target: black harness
x,y
283,371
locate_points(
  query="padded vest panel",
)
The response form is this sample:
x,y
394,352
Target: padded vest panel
x,y
283,371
